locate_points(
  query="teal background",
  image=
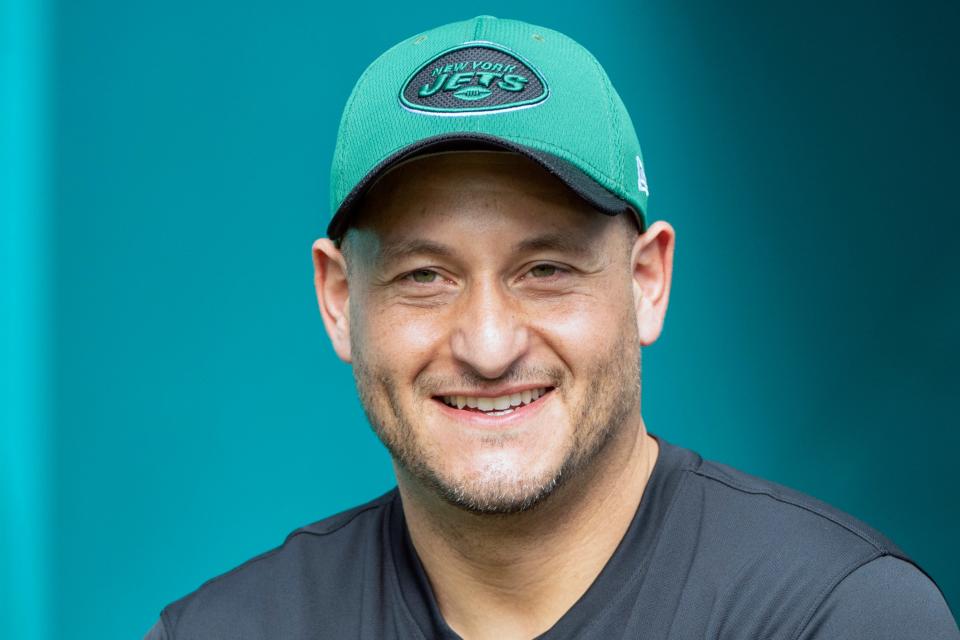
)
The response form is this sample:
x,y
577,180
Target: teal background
x,y
171,405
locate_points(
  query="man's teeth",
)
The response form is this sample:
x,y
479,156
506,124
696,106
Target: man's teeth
x,y
495,404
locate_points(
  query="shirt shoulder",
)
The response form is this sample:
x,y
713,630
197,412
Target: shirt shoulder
x,y
884,599
766,557
156,632
764,512
316,562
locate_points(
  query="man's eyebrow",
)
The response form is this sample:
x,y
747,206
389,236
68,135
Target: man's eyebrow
x,y
560,242
416,246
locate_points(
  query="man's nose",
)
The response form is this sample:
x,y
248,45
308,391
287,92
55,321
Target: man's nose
x,y
490,333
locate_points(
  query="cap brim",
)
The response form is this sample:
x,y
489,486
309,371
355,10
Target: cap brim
x,y
586,187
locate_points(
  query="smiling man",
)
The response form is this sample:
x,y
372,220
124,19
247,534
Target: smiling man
x,y
491,276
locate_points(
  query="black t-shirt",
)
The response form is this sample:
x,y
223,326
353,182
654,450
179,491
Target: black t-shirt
x,y
712,552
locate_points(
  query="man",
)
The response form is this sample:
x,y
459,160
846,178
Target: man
x,y
491,276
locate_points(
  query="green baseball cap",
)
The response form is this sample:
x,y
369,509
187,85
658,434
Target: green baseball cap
x,y
490,83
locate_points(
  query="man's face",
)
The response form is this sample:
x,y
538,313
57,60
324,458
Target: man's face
x,y
492,325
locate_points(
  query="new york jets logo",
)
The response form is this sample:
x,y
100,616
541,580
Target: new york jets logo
x,y
473,78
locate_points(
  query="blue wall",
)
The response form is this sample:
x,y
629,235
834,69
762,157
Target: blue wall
x,y
173,405
25,321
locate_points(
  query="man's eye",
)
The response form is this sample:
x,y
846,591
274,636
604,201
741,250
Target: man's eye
x,y
543,271
423,276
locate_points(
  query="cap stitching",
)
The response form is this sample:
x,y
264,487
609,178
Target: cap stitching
x,y
348,111
613,114
477,27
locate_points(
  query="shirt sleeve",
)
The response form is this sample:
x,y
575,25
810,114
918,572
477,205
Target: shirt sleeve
x,y
884,599
157,632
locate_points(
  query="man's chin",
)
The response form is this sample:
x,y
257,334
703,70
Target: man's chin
x,y
492,494
484,503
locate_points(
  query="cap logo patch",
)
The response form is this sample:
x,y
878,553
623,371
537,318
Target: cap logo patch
x,y
471,79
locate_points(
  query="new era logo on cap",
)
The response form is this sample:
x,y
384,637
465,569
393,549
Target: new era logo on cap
x,y
473,78
642,178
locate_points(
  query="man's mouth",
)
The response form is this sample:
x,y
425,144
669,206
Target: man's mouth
x,y
495,406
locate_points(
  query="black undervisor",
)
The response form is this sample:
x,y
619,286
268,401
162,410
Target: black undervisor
x,y
582,184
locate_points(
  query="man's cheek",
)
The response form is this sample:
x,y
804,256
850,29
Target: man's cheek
x,y
400,338
582,328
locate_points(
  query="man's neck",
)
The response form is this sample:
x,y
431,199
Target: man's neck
x,y
513,576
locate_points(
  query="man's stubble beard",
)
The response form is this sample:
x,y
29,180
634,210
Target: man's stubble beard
x,y
613,394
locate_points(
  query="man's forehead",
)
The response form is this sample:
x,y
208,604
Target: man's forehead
x,y
438,203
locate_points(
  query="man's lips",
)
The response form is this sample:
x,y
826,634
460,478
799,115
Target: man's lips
x,y
493,392
492,410
507,398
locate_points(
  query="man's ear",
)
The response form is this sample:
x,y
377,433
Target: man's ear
x,y
330,280
652,264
